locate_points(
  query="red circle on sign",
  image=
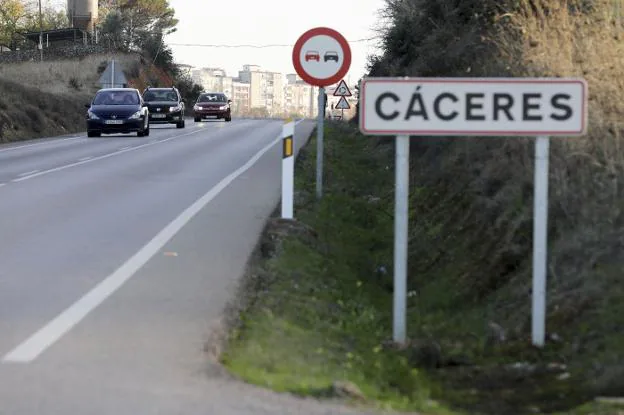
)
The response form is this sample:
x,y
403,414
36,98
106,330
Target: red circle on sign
x,y
346,61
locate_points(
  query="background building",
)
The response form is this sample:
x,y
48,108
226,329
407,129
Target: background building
x,y
262,93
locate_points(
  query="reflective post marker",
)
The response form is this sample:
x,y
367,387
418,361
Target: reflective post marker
x,y
401,216
540,239
288,168
319,144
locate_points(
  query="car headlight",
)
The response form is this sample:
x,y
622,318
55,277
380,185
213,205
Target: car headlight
x,y
223,107
176,108
197,107
135,116
92,116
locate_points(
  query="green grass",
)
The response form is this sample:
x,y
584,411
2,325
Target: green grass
x,y
324,311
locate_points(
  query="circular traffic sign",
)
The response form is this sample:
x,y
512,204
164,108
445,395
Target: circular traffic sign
x,y
321,56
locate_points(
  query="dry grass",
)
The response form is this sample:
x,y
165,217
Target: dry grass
x,y
63,76
47,99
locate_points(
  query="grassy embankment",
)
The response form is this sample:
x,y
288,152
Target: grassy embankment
x,y
319,303
47,99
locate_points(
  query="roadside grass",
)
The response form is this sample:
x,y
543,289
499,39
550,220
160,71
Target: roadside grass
x,y
319,302
67,76
45,100
319,312
28,113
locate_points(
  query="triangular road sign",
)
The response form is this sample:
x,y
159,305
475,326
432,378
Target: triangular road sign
x,y
343,104
342,90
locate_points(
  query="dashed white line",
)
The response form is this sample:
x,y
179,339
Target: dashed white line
x,y
78,163
125,148
86,158
30,173
51,141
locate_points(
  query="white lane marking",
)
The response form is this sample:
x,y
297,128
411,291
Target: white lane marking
x,y
2,184
78,163
30,349
30,173
125,148
51,141
85,158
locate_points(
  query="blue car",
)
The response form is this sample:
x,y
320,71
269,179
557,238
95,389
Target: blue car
x,y
117,111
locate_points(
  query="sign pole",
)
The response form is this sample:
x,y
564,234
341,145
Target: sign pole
x,y
397,107
540,239
321,57
288,168
401,217
319,144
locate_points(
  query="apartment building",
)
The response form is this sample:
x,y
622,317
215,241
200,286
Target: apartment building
x,y
260,92
300,98
266,89
240,97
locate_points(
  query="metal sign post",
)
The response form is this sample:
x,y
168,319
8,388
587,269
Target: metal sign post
x,y
499,107
319,143
321,57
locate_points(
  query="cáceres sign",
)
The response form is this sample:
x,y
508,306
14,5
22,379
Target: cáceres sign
x,y
474,106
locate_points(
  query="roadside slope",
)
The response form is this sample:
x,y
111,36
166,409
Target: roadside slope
x,y
326,293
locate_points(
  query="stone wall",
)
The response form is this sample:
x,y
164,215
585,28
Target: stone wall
x,y
56,53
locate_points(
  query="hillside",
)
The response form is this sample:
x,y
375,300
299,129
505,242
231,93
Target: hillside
x,y
47,99
320,300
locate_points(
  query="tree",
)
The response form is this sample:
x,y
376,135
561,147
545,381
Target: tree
x,y
13,15
132,24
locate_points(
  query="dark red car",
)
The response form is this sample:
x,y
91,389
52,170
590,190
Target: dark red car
x,y
312,55
212,104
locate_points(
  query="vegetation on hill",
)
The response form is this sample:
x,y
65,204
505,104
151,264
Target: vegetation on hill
x,y
318,297
135,30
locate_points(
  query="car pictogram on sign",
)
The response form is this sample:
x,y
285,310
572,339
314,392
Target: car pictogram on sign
x,y
312,55
331,56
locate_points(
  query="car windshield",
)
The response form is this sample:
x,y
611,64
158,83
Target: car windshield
x,y
212,98
116,98
162,95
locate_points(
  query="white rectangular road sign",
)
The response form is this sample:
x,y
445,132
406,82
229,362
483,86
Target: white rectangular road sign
x,y
474,106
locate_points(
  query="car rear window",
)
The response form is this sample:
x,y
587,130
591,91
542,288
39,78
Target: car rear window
x,y
212,98
116,98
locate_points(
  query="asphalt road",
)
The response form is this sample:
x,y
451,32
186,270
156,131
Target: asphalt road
x,y
117,254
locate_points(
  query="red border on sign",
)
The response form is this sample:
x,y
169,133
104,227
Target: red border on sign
x,y
342,82
346,62
582,131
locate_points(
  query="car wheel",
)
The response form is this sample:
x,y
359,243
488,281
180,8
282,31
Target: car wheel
x,y
147,131
180,124
93,134
197,119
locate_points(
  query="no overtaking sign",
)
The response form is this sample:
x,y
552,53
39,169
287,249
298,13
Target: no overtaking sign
x,y
539,107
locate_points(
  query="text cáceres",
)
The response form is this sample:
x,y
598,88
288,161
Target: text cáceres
x,y
453,107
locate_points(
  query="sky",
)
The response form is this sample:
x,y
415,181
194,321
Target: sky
x,y
269,22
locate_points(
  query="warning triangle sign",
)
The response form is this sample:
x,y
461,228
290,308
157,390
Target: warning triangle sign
x,y
343,104
342,90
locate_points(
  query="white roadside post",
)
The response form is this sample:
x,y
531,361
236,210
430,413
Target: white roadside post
x,y
321,57
401,223
496,107
288,168
540,240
